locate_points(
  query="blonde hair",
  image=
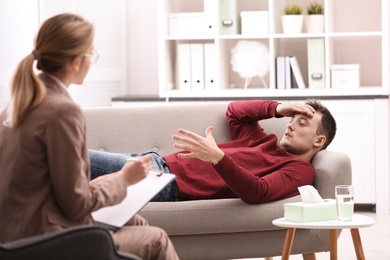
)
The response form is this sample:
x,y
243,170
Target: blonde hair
x,y
60,39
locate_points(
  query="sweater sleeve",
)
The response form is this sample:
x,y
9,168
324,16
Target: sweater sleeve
x,y
243,116
279,184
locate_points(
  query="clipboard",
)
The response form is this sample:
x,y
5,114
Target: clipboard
x,y
138,195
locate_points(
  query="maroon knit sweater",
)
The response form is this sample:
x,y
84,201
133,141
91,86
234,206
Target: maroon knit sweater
x,y
254,167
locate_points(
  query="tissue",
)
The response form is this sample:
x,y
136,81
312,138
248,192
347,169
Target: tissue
x,y
311,208
309,194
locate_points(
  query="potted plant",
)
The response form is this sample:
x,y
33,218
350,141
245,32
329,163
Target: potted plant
x,y
292,20
314,21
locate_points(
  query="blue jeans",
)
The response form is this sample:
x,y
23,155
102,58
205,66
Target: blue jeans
x,y
104,163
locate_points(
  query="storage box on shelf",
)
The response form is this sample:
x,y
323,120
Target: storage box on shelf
x,y
345,75
342,44
179,24
254,23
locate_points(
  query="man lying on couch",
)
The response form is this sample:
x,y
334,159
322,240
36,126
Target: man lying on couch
x,y
251,166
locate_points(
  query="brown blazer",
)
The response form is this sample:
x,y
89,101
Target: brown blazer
x,y
45,170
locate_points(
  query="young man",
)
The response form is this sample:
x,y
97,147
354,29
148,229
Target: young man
x,y
251,166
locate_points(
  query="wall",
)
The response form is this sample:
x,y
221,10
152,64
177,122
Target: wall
x,y
142,47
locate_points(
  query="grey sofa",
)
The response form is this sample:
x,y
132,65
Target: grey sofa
x,y
218,228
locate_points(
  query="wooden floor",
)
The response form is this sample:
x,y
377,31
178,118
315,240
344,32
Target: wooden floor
x,y
375,241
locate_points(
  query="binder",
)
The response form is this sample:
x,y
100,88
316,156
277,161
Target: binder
x,y
197,66
316,63
210,11
138,195
229,17
210,67
288,73
280,72
183,66
297,72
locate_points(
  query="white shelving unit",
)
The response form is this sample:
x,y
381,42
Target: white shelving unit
x,y
355,32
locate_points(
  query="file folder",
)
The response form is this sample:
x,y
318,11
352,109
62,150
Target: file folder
x,y
210,67
316,63
229,17
183,66
210,11
197,66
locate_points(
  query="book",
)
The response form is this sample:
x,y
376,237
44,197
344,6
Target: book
x,y
288,73
280,72
138,195
297,72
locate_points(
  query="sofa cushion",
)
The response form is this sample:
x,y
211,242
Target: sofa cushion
x,y
214,216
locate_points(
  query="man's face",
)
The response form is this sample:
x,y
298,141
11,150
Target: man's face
x,y
301,133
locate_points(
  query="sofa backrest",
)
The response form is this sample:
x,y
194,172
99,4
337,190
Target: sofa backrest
x,y
139,129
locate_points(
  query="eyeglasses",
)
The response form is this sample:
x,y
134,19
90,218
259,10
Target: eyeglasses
x,y
94,56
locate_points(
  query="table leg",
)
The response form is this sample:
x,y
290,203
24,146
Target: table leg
x,y
333,234
357,244
309,256
288,243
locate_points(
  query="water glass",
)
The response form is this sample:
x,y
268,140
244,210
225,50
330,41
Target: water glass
x,y
344,202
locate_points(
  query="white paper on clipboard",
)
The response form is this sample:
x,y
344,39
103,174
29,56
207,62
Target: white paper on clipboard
x,y
138,195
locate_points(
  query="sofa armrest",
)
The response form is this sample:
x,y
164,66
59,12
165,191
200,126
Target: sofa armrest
x,y
332,168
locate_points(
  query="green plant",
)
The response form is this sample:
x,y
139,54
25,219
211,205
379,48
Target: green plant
x,y
315,8
292,9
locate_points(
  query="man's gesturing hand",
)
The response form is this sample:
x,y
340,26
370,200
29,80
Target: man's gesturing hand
x,y
202,148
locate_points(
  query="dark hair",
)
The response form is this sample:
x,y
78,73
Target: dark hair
x,y
328,125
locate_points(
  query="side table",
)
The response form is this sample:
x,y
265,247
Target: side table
x,y
358,221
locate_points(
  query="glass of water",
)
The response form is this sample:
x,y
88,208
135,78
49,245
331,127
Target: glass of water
x,y
344,202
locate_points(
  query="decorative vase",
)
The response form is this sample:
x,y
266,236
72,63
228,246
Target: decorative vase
x,y
314,23
292,24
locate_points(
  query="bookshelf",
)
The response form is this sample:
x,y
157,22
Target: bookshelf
x,y
348,39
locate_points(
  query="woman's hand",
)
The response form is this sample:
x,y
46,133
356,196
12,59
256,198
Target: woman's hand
x,y
202,148
137,169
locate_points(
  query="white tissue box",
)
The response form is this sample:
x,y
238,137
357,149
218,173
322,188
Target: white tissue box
x,y
308,212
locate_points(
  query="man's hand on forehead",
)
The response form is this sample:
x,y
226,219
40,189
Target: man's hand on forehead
x,y
290,109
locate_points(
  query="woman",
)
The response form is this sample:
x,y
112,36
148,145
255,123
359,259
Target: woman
x,y
44,163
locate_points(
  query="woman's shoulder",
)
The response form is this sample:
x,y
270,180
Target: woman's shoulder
x,y
57,109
